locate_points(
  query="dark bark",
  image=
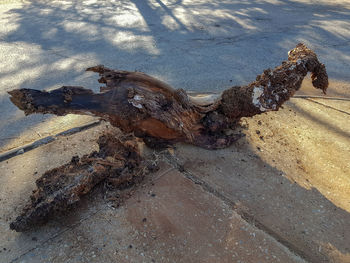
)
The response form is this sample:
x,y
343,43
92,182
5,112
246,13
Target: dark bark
x,y
59,189
136,102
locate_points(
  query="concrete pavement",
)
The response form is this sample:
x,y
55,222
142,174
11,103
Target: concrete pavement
x,y
281,194
195,45
290,174
167,218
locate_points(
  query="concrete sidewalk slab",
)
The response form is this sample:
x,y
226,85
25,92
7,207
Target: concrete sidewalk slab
x,y
288,178
290,175
171,219
17,180
167,219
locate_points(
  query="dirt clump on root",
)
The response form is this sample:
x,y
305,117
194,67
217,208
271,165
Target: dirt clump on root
x,y
118,162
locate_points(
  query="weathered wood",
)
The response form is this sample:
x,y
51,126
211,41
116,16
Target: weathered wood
x,y
59,189
136,102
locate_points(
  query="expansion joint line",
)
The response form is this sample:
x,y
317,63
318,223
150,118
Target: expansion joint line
x,y
248,217
311,98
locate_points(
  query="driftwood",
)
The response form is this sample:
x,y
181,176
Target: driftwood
x,y
117,161
155,112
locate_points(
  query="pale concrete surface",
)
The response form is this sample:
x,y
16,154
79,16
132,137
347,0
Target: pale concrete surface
x,y
17,180
277,195
196,45
168,218
291,174
289,178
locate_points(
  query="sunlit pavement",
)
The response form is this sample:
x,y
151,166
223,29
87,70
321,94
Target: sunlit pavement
x,y
195,45
294,181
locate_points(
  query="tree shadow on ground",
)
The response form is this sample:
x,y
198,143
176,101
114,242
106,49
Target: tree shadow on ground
x,y
200,46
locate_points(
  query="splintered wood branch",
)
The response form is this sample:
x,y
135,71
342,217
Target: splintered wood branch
x,y
60,188
160,115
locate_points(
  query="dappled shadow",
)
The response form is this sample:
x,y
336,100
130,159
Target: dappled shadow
x,y
200,46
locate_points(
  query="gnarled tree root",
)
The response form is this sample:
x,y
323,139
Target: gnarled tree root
x,y
153,111
136,102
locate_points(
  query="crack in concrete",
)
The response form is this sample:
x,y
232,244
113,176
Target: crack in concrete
x,y
59,233
28,147
327,106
